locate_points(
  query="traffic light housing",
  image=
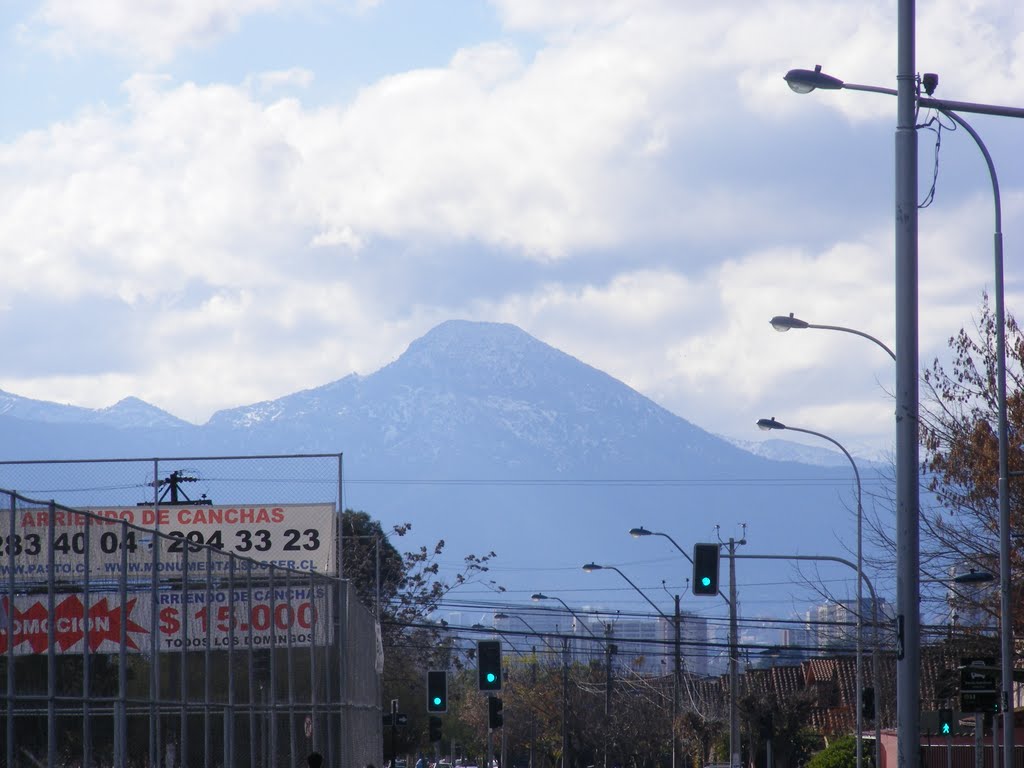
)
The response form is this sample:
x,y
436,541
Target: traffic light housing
x,y
946,722
705,569
494,717
437,690
435,729
867,703
488,661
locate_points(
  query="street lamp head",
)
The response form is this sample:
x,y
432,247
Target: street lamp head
x,y
783,323
806,80
974,577
770,424
499,616
538,596
636,533
590,567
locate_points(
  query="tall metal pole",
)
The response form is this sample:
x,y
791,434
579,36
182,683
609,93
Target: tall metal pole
x,y
734,681
533,711
1006,606
908,618
1002,431
875,672
906,243
566,761
675,681
609,649
979,756
859,671
876,682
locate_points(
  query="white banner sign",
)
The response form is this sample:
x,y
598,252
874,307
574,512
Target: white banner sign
x,y
295,536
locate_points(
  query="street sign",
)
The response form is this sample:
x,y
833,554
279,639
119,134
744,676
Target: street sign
x,y
978,674
979,684
399,718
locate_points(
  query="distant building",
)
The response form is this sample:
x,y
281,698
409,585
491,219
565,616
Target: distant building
x,y
643,645
833,625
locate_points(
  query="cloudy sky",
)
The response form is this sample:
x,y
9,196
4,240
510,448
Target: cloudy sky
x,y
207,204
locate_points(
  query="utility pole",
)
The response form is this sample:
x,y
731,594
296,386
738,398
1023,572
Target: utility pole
x,y
504,747
908,510
676,680
734,678
566,761
533,712
609,651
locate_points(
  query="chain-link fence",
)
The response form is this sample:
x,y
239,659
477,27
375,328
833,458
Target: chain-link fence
x,y
174,630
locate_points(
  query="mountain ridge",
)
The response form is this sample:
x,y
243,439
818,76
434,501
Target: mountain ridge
x,y
479,435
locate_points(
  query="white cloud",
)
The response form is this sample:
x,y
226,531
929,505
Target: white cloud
x,y
286,79
285,244
145,30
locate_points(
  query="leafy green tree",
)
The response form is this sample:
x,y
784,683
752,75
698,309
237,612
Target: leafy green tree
x,y
405,589
840,753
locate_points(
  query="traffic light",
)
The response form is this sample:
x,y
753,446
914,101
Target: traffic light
x,y
435,729
705,569
488,661
437,690
494,717
946,722
867,703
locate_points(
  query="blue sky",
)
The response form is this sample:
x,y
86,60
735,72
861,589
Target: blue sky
x,y
276,193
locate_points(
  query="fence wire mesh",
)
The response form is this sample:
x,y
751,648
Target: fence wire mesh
x,y
148,624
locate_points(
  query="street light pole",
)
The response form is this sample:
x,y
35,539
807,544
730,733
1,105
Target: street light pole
x,y
566,758
1006,607
676,678
783,323
640,532
875,671
804,81
538,596
908,548
590,567
734,676
502,615
908,513
769,424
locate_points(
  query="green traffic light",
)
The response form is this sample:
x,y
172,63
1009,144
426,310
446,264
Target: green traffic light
x,y
490,677
437,701
706,581
945,729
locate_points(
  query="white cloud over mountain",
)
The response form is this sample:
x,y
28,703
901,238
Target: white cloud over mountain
x,y
634,184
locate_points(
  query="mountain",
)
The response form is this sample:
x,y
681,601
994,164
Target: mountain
x,y
787,450
485,397
127,413
481,435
